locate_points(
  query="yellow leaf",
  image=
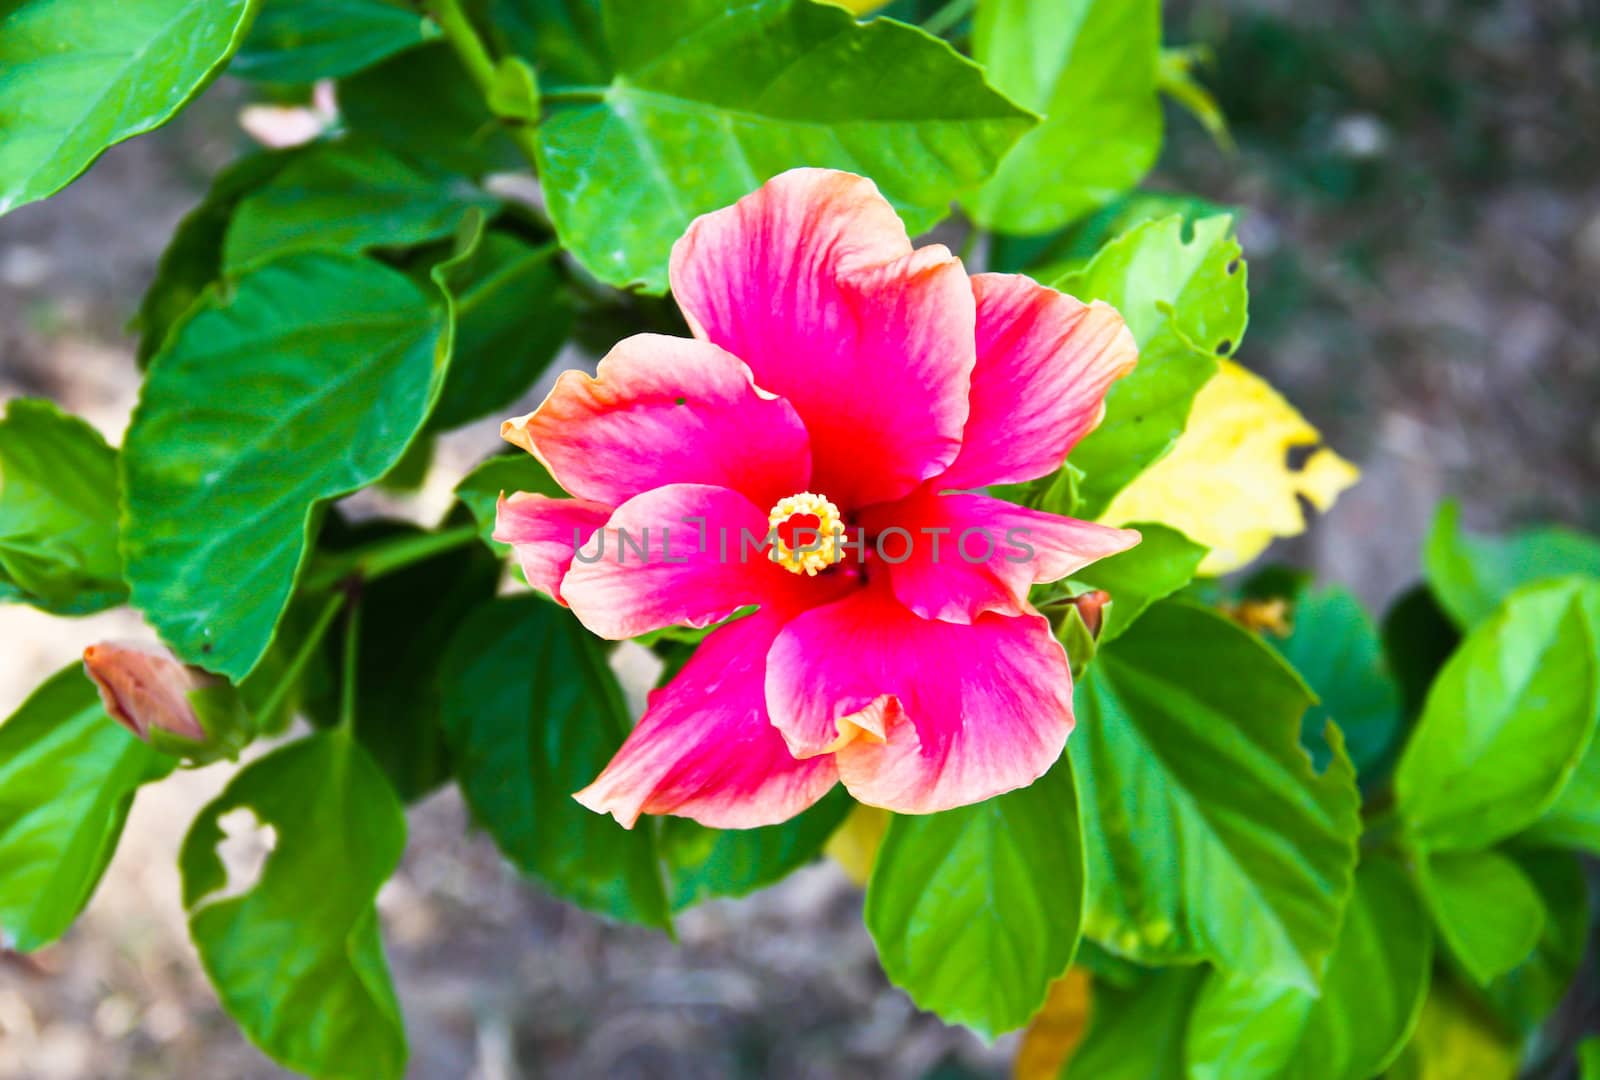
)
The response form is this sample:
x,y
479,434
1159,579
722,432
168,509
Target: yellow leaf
x,y
1454,1040
854,844
858,7
1056,1031
1227,483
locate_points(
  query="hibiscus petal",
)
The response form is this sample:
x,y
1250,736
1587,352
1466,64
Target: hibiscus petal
x,y
967,711
812,282
705,748
544,532
1045,362
665,410
968,554
683,554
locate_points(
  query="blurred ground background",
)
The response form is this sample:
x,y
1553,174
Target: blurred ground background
x,y
1420,186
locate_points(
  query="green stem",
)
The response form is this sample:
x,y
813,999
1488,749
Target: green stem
x,y
469,47
302,657
584,94
383,557
947,16
347,678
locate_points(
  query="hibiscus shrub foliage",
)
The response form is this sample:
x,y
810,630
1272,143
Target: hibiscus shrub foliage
x,y
1283,839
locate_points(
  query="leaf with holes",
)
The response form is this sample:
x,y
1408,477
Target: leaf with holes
x,y
295,956
1181,287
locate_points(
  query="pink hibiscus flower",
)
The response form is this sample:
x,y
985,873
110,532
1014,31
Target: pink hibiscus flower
x,y
842,382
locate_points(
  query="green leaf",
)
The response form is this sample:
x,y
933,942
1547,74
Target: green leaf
x,y
512,317
1136,1032
82,75
424,106
193,258
346,196
399,714
1371,998
295,955
1573,819
1209,834
58,511
514,96
1507,720
1528,994
1161,564
704,863
480,489
1486,909
1049,257
1182,290
1472,574
1335,648
1090,67
710,99
300,41
344,358
68,774
533,714
975,911
1589,1058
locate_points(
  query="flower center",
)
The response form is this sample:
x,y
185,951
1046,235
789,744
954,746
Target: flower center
x,y
805,532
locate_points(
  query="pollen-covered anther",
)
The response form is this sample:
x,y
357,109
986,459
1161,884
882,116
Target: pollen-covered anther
x,y
805,530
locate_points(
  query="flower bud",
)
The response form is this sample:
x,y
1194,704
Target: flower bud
x,y
1091,608
178,709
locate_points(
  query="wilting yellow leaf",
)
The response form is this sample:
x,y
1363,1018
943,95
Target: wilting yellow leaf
x,y
854,845
1227,483
1057,1030
858,7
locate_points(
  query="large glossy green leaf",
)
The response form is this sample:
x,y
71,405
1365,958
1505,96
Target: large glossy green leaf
x,y
1507,721
1334,646
402,639
1527,995
82,75
343,358
1163,562
1209,834
68,774
1182,288
512,316
1472,574
1136,1032
295,955
533,713
1371,997
1485,907
58,511
346,196
975,911
706,862
711,98
1089,66
298,41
